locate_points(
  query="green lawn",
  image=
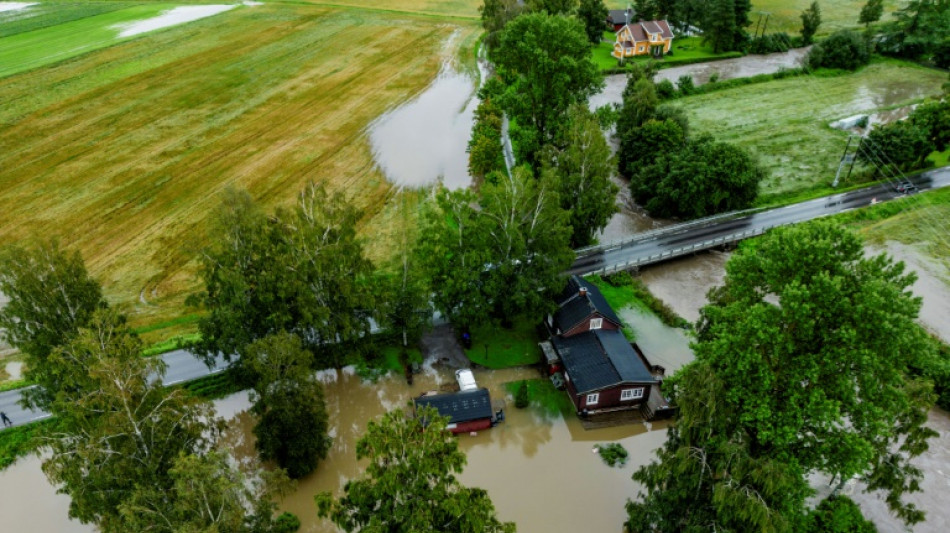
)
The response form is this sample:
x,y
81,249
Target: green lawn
x,y
940,159
786,122
31,49
785,15
543,397
498,347
684,50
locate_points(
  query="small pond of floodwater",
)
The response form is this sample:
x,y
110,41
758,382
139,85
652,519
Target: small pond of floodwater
x,y
426,139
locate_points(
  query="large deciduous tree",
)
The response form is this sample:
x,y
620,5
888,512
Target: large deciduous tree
x,y
811,19
552,7
51,296
499,255
702,178
119,428
593,13
871,12
802,366
902,144
300,270
919,29
720,25
545,63
581,174
410,483
288,398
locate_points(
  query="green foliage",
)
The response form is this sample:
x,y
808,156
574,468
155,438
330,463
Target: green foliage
x,y
18,441
685,85
871,12
665,89
410,483
120,429
593,13
300,270
703,178
839,514
485,154
900,144
552,7
544,61
720,26
288,398
214,386
613,454
498,256
51,296
770,44
811,19
843,49
581,174
521,397
495,15
919,28
544,398
933,118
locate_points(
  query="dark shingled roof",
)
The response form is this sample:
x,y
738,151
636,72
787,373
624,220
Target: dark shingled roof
x,y
573,308
600,359
460,406
617,16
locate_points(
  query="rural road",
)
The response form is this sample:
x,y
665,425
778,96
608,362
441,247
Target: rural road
x,y
181,366
680,240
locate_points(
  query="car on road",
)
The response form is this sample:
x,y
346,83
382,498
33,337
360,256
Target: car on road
x,y
906,187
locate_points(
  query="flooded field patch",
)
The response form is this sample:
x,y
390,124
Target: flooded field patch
x,y
172,17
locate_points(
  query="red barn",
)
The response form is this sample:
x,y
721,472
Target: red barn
x,y
467,411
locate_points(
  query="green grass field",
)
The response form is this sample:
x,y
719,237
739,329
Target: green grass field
x,y
685,50
785,122
497,347
123,151
785,15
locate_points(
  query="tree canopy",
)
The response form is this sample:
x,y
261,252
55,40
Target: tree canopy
x,y
497,255
288,398
593,13
842,49
51,297
410,483
802,361
581,173
300,270
871,12
919,28
702,178
811,19
545,63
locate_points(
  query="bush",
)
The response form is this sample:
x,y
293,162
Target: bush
x,y
685,85
839,514
613,454
902,144
521,397
843,49
665,90
770,44
286,523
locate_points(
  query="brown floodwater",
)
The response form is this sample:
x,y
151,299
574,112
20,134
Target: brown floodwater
x,y
740,67
683,283
661,344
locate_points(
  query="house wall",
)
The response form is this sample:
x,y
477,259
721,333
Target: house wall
x,y
585,325
610,398
635,51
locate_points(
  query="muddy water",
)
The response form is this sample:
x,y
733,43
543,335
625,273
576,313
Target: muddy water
x,y
426,139
931,285
29,503
740,67
661,344
683,283
630,217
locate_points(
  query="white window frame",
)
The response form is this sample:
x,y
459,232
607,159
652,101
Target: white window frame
x,y
631,394
596,323
592,398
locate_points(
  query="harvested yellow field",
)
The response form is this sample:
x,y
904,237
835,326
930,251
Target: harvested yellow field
x,y
453,8
124,151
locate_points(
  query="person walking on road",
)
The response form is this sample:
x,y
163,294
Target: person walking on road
x,y
6,420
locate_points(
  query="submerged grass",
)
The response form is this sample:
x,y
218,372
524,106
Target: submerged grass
x,y
786,122
123,152
543,397
18,441
498,347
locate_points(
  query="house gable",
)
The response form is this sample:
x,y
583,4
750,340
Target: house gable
x,y
579,303
599,360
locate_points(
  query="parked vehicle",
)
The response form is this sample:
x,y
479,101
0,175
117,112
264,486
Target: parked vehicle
x,y
466,380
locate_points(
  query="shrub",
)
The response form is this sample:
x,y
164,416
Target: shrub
x,y
685,85
521,397
843,49
286,523
714,77
613,454
839,514
665,90
902,144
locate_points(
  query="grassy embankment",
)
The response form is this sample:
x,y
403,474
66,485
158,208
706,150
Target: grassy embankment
x,y
686,50
786,122
123,152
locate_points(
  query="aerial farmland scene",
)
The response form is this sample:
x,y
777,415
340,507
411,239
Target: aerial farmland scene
x,y
474,266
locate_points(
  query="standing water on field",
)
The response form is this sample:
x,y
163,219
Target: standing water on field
x,y
426,139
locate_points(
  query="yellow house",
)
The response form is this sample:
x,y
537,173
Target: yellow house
x,y
641,38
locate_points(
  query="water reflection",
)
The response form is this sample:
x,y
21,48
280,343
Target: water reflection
x,y
426,139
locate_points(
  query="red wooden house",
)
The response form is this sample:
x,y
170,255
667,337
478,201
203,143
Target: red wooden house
x,y
602,370
467,410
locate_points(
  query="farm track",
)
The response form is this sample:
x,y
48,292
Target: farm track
x,y
127,168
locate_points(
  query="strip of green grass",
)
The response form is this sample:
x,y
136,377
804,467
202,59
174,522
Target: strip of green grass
x,y
544,397
46,14
18,441
178,321
940,159
685,51
170,344
497,347
29,50
214,386
13,384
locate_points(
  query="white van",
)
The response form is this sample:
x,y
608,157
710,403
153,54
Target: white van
x,y
465,379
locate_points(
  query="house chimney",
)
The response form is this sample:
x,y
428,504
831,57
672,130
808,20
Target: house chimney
x,y
582,291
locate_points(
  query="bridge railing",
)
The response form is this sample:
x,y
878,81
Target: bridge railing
x,y
639,237
683,250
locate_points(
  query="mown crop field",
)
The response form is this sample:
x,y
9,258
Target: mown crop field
x,y
785,15
123,152
786,122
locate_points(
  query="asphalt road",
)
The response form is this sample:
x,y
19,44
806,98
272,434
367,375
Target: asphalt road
x,y
677,238
180,366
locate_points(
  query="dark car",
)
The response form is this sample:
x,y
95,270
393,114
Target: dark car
x,y
906,187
